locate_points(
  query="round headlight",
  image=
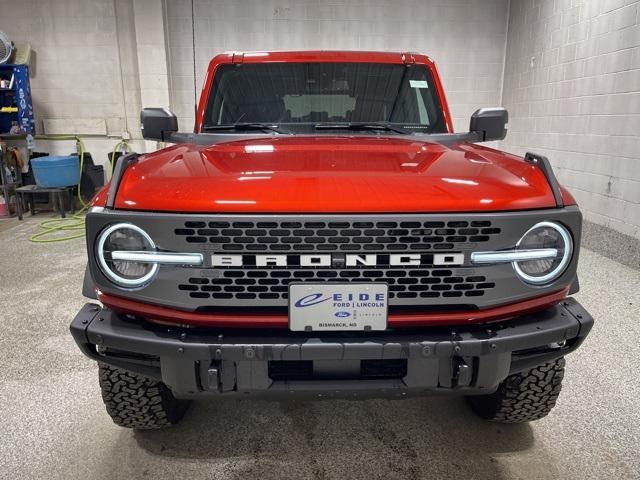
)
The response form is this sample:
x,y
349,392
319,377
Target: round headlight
x,y
125,237
544,235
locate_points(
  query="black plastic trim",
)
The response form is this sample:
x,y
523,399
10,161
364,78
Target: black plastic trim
x,y
88,287
121,166
215,138
575,286
544,165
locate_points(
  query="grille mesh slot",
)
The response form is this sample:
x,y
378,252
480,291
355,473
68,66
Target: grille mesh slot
x,y
274,284
318,236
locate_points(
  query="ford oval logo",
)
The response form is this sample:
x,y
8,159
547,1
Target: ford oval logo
x,y
342,314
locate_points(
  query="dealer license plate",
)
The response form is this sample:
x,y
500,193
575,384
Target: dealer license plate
x,y
338,307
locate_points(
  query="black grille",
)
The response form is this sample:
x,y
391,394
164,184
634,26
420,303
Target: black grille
x,y
360,236
274,284
318,236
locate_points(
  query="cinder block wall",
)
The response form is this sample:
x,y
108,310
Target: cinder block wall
x,y
572,88
465,37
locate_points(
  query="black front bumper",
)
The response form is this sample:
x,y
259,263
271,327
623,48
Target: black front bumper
x,y
468,360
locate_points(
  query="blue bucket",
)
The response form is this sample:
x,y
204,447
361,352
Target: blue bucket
x,y
56,171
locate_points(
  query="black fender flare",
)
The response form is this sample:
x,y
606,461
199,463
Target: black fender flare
x,y
88,287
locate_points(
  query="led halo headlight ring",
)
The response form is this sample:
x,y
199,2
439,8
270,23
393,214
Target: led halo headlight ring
x,y
114,277
557,271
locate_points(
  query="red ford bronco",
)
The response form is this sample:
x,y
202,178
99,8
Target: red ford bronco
x,y
324,232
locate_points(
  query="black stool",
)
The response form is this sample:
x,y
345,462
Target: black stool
x,y
56,192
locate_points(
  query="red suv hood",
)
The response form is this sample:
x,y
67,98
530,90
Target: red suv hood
x,y
332,174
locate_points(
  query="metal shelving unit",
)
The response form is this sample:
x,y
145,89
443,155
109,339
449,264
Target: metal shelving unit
x,y
18,100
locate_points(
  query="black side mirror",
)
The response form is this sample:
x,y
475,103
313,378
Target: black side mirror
x,y
489,123
157,124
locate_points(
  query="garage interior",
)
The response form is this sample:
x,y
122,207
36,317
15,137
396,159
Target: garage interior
x,y
568,72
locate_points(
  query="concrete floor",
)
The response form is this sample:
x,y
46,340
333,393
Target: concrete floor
x,y
53,424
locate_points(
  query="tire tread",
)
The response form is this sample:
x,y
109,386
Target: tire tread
x,y
523,397
134,401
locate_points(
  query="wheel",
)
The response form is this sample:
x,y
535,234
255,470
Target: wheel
x,y
523,397
134,401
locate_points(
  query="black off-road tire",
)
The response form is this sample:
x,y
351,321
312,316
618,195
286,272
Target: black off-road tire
x,y
523,397
134,401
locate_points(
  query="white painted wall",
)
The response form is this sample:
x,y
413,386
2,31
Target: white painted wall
x,y
466,38
76,76
572,88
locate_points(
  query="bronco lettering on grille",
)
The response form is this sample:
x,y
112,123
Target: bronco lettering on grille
x,y
338,260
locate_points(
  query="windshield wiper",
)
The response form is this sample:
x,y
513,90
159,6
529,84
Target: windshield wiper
x,y
361,126
245,126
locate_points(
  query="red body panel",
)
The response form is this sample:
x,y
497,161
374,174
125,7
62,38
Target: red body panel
x,y
100,198
320,174
327,174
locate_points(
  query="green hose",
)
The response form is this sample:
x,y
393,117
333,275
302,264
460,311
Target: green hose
x,y
55,225
125,144
74,223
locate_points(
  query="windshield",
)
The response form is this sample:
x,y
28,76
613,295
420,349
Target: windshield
x,y
303,96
